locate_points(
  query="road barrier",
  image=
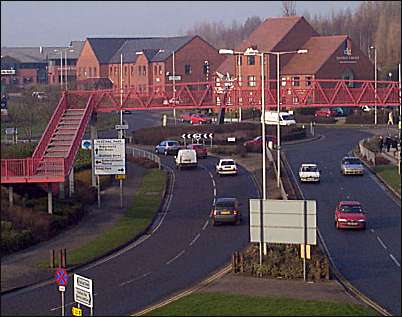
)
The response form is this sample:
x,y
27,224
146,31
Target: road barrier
x,y
136,152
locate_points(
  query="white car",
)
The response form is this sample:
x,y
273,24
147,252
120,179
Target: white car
x,y
309,172
226,167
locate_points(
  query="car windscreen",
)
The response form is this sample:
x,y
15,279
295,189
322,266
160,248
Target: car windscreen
x,y
352,161
351,208
287,117
172,143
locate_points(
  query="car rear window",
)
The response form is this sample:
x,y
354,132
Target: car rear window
x,y
227,163
352,161
351,208
172,143
309,169
225,204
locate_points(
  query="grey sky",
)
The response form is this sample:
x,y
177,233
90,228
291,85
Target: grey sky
x,y
48,23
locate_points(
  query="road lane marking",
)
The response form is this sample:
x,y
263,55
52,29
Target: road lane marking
x,y
372,230
205,225
382,243
214,192
176,257
195,239
395,260
66,305
135,279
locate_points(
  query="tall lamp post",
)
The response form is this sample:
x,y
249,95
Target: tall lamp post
x,y
65,68
375,83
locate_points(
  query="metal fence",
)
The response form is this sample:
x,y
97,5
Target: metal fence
x,y
365,152
137,152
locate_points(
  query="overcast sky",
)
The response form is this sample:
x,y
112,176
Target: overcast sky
x,y
48,23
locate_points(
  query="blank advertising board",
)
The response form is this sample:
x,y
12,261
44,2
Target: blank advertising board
x,y
283,221
109,156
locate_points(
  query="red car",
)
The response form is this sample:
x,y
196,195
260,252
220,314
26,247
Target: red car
x,y
201,150
350,214
255,144
327,113
186,117
200,119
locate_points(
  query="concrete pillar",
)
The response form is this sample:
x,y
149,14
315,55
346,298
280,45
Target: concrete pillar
x,y
10,195
94,135
71,182
49,199
62,191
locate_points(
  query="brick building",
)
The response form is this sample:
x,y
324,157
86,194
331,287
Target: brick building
x,y
147,61
328,57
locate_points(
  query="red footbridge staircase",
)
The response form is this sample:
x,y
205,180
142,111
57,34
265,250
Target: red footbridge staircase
x,y
55,153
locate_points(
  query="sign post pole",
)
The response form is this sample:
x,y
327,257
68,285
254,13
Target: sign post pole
x,y
305,239
99,200
62,303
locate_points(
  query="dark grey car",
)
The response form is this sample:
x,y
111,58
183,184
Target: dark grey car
x,y
226,210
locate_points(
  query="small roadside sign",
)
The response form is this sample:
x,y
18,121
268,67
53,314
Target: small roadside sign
x,y
121,126
76,311
62,288
61,277
177,77
86,144
120,176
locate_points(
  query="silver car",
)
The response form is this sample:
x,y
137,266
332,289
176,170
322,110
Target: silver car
x,y
352,166
168,147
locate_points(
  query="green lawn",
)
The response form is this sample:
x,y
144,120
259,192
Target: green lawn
x,y
138,216
390,174
217,304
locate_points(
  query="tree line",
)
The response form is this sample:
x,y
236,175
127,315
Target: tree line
x,y
371,23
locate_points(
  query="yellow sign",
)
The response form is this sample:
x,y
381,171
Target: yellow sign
x,y
76,311
307,251
120,176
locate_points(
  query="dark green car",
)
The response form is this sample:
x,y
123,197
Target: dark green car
x,y
226,210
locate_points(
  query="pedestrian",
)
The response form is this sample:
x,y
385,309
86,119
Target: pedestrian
x,y
380,143
388,143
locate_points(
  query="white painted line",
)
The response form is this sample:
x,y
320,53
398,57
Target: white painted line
x,y
195,239
213,183
176,257
66,305
382,243
393,259
372,230
135,279
214,192
205,225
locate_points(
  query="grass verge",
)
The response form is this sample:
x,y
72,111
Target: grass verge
x,y
390,174
217,304
147,200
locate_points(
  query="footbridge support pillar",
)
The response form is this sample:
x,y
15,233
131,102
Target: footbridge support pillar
x,y
94,135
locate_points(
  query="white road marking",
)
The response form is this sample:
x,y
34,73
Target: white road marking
x,y
382,243
393,259
213,183
176,257
214,192
372,230
205,225
135,279
195,239
65,305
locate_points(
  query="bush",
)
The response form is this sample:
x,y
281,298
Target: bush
x,y
143,161
19,150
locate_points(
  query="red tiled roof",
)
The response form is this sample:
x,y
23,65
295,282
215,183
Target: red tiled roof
x,y
266,37
320,49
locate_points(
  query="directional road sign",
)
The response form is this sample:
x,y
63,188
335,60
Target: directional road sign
x,y
61,277
86,144
109,156
197,136
83,291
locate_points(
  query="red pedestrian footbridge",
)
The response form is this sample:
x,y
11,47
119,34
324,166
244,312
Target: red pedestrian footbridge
x,y
55,153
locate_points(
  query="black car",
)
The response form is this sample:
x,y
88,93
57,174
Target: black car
x,y
226,210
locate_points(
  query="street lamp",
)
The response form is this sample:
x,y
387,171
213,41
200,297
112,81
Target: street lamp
x,y
68,49
375,83
174,81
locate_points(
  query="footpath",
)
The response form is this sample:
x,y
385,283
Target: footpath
x,y
21,268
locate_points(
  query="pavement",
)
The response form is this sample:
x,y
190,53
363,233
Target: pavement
x,y
21,268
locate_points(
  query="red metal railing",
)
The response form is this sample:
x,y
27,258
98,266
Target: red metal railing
x,y
51,127
31,170
314,93
72,151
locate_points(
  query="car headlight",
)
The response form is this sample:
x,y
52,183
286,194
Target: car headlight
x,y
342,220
361,220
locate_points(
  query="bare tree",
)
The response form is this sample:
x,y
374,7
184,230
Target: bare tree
x,y
288,8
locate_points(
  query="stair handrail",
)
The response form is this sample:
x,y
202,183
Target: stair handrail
x,y
51,127
72,150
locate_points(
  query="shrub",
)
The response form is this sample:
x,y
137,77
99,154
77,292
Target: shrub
x,y
19,150
380,160
143,161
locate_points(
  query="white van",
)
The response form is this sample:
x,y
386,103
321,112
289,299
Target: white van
x,y
186,158
285,118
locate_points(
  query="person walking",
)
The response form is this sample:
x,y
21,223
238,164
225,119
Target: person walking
x,y
381,143
388,142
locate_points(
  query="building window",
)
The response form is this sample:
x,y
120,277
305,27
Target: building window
x,y
139,70
94,71
251,60
160,69
155,70
239,60
252,82
85,72
144,70
132,70
187,69
296,81
110,71
115,70
206,68
90,71
125,70
283,81
308,81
